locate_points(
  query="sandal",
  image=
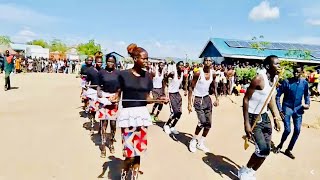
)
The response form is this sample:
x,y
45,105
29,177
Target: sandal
x,y
134,174
103,154
123,175
113,140
111,148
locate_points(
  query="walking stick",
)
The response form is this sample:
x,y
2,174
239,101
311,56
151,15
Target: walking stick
x,y
246,140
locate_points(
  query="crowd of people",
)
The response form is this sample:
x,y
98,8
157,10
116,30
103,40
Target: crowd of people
x,y
120,98
29,64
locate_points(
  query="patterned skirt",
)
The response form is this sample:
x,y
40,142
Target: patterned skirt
x,y
134,140
109,112
106,110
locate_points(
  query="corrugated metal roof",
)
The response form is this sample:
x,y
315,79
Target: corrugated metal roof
x,y
217,47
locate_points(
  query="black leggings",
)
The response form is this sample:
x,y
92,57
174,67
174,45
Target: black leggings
x,y
160,106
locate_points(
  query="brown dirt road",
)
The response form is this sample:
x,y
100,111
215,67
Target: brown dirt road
x,y
42,137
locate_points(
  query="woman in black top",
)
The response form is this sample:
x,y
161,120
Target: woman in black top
x,y
83,76
108,87
93,81
134,118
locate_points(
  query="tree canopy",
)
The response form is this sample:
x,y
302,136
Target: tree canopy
x,y
89,48
58,45
39,42
5,40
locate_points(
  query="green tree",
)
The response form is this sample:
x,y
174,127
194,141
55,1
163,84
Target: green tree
x,y
304,54
58,45
89,48
246,73
39,42
5,40
259,45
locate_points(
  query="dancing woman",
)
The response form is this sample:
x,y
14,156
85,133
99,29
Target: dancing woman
x,y
83,76
134,118
158,89
253,103
91,94
175,98
200,86
108,88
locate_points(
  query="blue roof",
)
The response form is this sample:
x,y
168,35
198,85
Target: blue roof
x,y
218,47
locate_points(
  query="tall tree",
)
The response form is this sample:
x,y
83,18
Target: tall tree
x,y
39,42
89,48
5,40
58,45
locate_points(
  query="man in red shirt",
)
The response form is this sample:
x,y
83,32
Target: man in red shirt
x,y
8,68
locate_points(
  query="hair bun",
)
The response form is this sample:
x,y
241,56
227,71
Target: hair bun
x,y
131,48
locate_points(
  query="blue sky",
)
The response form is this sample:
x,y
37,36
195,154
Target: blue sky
x,y
165,28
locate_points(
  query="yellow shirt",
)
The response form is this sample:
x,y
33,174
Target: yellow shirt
x,y
18,64
238,88
195,70
316,78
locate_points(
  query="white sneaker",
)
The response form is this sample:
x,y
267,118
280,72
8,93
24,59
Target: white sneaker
x,y
174,131
166,129
193,145
202,147
245,173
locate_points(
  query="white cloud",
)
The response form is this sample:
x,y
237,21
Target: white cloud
x,y
264,12
13,13
313,22
24,35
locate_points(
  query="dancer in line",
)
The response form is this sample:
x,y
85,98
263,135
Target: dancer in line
x,y
199,88
83,76
158,89
134,118
175,98
253,103
108,88
293,89
93,81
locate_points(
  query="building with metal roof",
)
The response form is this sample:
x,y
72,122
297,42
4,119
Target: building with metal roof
x,y
240,50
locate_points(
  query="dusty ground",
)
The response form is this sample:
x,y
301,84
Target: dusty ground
x,y
42,137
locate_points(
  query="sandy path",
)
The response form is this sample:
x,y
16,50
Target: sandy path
x,y
42,137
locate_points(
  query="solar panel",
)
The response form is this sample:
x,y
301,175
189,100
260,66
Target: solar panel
x,y
299,46
318,47
244,44
316,54
276,46
312,48
233,43
291,46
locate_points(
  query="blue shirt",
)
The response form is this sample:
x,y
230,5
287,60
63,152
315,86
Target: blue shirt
x,y
293,91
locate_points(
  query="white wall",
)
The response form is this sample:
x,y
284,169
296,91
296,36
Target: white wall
x,y
37,52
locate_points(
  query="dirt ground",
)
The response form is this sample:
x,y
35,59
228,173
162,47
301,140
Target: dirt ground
x,y
44,137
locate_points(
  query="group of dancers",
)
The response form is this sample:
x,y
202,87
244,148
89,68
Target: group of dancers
x,y
120,98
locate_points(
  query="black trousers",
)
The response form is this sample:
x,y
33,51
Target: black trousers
x,y
7,81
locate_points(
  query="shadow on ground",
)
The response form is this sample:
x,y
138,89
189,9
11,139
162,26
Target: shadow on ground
x,y
114,166
182,137
222,165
